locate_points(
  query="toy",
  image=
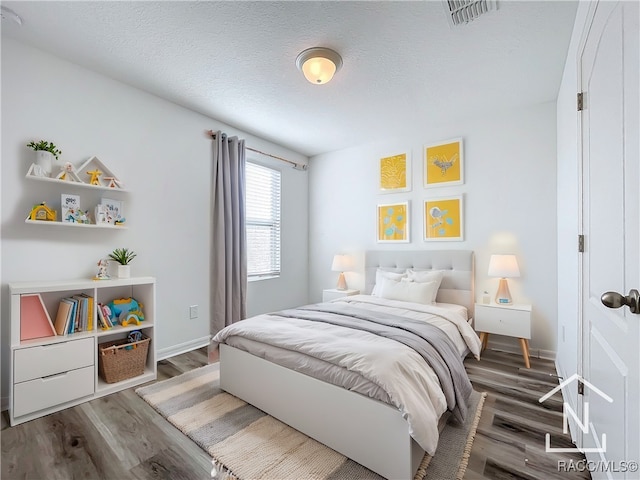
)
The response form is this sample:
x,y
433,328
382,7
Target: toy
x,y
102,274
127,311
94,180
134,336
42,212
68,174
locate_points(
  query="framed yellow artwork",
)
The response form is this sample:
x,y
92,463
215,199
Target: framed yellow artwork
x,y
443,219
393,223
444,163
395,173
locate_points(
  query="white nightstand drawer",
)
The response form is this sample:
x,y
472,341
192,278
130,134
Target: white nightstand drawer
x,y
333,293
44,360
503,320
45,392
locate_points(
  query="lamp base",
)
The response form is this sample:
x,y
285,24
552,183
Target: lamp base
x,y
342,283
503,296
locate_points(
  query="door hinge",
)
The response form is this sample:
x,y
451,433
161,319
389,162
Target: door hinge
x,y
580,388
580,101
581,243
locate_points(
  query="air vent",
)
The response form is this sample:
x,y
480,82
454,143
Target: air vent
x,y
461,12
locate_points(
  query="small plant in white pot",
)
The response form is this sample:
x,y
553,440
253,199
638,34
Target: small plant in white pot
x,y
123,256
45,152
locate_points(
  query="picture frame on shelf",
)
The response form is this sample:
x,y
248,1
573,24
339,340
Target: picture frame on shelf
x,y
392,222
69,206
444,163
113,211
394,172
443,219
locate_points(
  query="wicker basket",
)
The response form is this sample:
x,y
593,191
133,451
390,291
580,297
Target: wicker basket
x,y
116,362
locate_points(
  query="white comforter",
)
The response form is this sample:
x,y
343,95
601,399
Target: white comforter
x,y
410,383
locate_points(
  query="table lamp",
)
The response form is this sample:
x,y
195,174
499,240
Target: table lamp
x,y
341,263
503,266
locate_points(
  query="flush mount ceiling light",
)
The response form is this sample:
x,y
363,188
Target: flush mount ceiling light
x,y
8,14
319,64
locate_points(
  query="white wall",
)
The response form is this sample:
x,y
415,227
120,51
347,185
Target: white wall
x,y
162,153
509,205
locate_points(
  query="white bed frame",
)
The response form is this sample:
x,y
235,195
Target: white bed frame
x,y
368,431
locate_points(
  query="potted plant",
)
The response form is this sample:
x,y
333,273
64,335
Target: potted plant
x,y
45,151
123,256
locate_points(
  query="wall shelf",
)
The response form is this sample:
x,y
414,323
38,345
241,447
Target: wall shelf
x,y
74,184
71,224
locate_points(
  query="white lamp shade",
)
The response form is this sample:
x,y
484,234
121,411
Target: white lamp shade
x,y
503,266
341,263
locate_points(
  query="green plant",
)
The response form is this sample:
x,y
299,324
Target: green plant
x,y
122,255
46,146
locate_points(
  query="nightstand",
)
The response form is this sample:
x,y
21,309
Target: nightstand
x,y
510,320
333,293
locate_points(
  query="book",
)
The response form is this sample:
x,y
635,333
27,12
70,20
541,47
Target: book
x,y
62,316
70,206
112,210
74,315
69,315
35,321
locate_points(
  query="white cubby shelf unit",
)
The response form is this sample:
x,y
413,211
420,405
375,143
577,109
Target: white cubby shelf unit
x,y
55,372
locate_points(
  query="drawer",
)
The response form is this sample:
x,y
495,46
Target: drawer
x,y
502,321
50,391
45,360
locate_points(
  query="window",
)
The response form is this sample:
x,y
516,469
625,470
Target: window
x,y
262,220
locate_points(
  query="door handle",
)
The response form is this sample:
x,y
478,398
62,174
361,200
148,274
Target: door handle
x,y
615,300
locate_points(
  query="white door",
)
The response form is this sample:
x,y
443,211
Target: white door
x,y
608,69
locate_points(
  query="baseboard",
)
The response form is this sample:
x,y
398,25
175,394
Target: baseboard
x,y
4,404
514,347
180,348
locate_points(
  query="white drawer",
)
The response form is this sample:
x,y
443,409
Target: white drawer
x,y
332,294
50,391
503,321
44,360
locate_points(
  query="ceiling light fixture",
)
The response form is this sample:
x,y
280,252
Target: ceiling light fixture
x,y
8,14
319,64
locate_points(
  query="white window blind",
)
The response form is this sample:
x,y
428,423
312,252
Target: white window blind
x,y
262,220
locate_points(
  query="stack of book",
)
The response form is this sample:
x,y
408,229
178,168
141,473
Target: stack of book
x,y
104,317
75,314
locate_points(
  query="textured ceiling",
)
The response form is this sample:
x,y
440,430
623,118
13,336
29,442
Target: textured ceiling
x,y
405,69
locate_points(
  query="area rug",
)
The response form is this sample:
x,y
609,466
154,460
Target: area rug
x,y
247,444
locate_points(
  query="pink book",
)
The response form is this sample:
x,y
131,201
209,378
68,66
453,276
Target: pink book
x,y
35,321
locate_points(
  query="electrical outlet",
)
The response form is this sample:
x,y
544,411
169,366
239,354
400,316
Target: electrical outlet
x,y
193,311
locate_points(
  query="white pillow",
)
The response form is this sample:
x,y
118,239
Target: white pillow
x,y
384,274
421,276
417,292
425,275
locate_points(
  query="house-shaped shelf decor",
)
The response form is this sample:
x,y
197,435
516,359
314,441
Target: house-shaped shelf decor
x,y
94,172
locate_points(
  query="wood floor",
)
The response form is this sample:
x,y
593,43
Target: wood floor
x,y
121,437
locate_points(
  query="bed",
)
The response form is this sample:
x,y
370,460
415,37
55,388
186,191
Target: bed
x,y
330,390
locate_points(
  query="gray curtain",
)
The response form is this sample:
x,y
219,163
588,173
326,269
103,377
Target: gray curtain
x,y
229,255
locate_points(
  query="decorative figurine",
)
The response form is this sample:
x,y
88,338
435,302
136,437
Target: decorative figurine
x,y
68,174
103,263
42,212
94,176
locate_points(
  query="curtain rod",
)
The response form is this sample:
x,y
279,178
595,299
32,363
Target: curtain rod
x,y
297,166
